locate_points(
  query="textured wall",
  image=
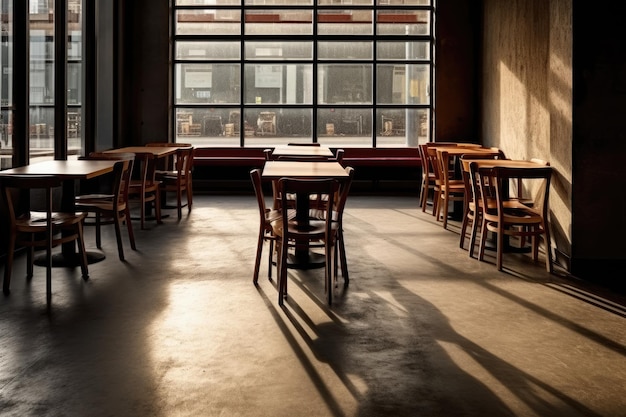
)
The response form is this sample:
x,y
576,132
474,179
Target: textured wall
x,y
527,94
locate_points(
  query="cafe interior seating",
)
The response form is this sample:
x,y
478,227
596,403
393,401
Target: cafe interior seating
x,y
450,188
111,207
472,204
179,180
427,184
146,189
39,229
290,232
266,217
519,221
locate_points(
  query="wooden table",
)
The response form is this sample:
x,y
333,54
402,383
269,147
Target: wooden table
x,y
157,151
69,172
275,170
295,150
507,163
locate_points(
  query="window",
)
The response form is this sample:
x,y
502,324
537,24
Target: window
x,y
268,72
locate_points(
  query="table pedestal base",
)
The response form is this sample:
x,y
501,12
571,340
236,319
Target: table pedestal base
x,y
306,260
62,260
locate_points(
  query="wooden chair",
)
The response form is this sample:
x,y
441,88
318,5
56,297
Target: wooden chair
x,y
521,221
112,208
450,189
472,203
266,217
290,233
179,180
146,189
39,229
428,176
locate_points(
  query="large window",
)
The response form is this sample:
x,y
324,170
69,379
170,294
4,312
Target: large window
x,y
338,72
40,141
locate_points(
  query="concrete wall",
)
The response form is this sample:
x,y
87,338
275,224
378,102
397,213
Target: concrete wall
x,y
527,94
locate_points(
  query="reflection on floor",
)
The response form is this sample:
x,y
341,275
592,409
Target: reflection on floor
x,y
422,330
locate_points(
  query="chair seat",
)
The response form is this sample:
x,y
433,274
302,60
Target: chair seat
x,y
37,220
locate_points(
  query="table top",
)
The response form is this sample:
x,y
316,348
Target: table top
x,y
158,151
461,150
299,169
294,150
508,163
70,169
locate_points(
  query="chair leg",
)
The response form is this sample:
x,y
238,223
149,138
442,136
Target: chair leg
x,y
499,248
142,211
329,271
30,257
257,259
157,206
118,237
270,261
282,275
473,235
483,241
81,251
179,203
343,259
8,265
464,224
129,226
548,244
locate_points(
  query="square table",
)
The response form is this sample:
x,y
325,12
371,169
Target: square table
x,y
69,171
295,150
275,170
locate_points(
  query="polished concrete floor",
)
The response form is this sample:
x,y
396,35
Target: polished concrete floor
x,y
422,330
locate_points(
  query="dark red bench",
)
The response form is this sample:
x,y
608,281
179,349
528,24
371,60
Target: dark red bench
x,y
381,157
225,156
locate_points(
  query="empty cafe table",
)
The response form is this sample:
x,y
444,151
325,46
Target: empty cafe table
x,y
69,172
275,170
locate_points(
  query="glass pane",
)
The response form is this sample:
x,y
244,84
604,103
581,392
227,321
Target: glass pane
x,y
207,83
394,87
206,2
344,2
403,2
208,22
344,126
41,114
407,127
402,22
344,22
289,84
208,126
188,50
279,22
279,50
344,50
403,50
338,83
278,2
273,126
6,68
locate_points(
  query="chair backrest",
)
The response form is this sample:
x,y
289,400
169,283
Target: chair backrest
x,y
305,189
344,190
268,154
122,171
339,155
431,158
255,176
184,163
147,167
540,186
27,182
472,190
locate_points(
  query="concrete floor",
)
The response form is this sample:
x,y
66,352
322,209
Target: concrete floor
x,y
423,330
